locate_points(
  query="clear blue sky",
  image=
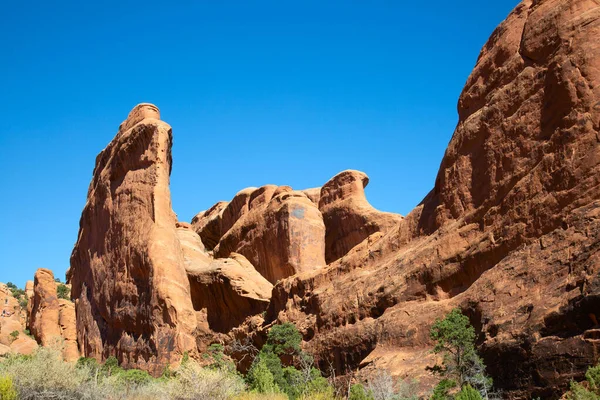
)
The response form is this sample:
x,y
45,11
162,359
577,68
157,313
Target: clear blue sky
x,y
257,92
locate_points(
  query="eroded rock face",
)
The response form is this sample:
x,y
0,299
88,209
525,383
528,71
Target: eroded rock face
x,y
510,232
349,218
52,320
127,268
43,320
281,234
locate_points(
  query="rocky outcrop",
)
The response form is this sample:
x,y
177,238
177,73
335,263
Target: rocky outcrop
x,y
349,218
208,224
52,320
43,319
224,291
127,268
281,234
68,329
510,232
13,319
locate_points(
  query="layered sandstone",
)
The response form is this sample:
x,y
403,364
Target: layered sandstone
x,y
348,216
127,269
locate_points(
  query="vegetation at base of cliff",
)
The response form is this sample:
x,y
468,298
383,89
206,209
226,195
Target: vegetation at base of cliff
x,y
587,390
279,371
462,369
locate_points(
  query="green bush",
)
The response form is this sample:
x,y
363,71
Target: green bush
x,y
284,339
260,378
455,340
468,393
63,291
442,390
134,377
14,335
592,392
358,392
7,390
593,377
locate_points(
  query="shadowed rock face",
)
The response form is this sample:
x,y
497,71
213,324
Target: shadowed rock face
x,y
127,269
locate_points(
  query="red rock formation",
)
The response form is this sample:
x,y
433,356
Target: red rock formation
x,y
68,329
225,291
127,269
208,224
43,320
281,234
52,320
13,319
348,217
509,233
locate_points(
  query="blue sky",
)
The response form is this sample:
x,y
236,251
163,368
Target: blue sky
x,y
257,92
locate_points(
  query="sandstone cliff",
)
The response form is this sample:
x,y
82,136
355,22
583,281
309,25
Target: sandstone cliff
x,y
509,233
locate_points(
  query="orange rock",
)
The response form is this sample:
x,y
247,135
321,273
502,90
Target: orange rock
x,y
281,234
68,329
509,233
23,345
349,218
43,320
208,224
127,268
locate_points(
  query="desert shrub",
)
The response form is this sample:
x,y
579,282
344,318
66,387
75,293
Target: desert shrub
x,y
134,377
191,381
298,381
23,302
358,392
63,291
216,356
468,393
381,385
593,377
44,375
261,396
14,335
442,390
7,389
592,391
260,378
